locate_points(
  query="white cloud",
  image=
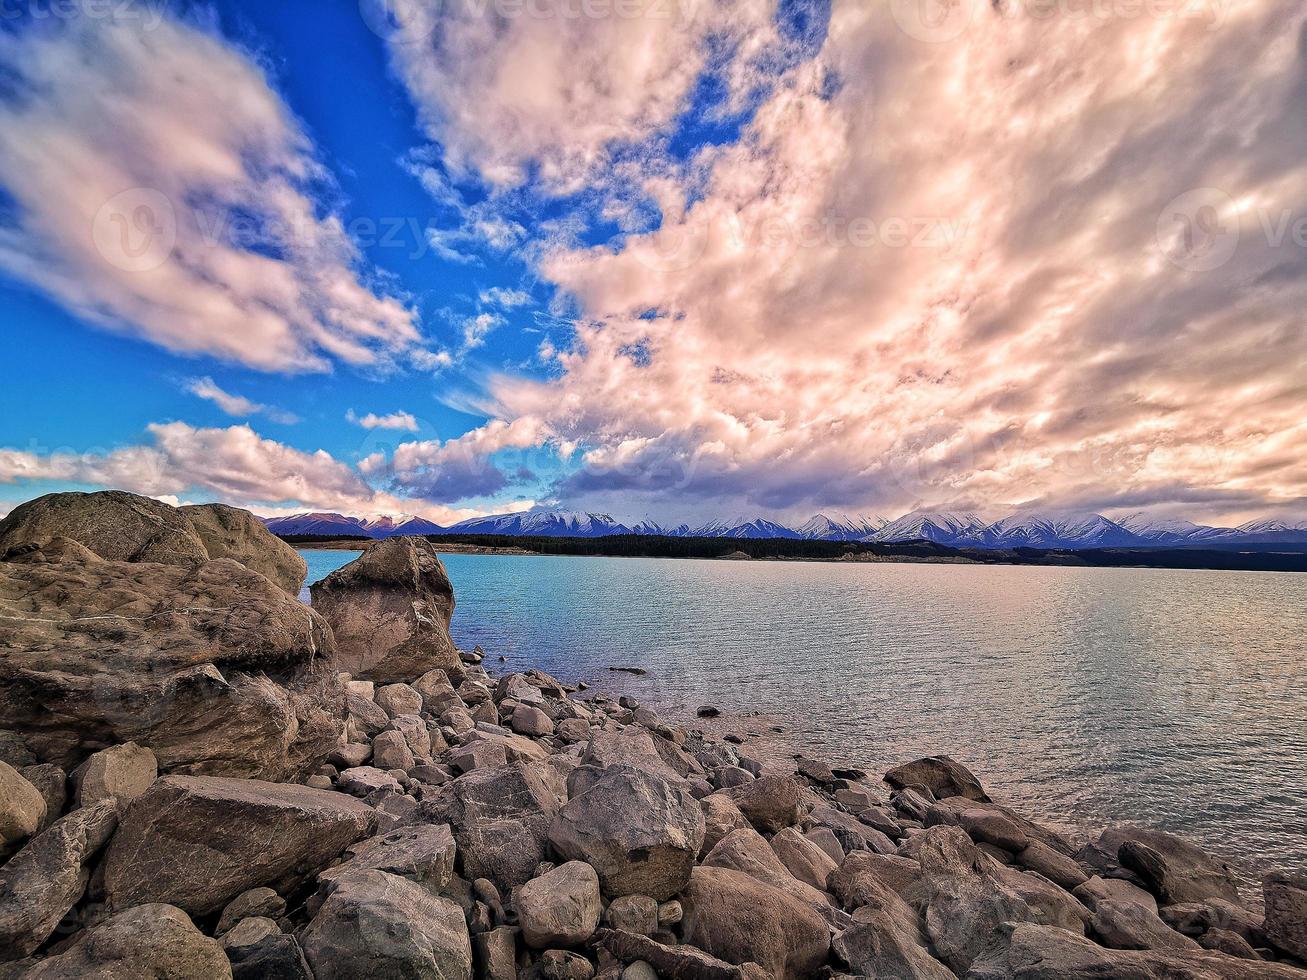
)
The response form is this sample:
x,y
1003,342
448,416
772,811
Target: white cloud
x,y
164,190
507,299
396,420
236,405
477,328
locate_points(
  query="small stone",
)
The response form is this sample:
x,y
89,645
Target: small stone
x,y
634,913
708,711
255,902
399,699
319,782
560,908
670,913
530,720
391,751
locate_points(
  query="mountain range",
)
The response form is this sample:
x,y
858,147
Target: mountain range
x,y
1026,530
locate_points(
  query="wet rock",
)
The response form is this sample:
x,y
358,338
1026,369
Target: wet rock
x,y
770,803
228,532
941,775
257,902
423,853
560,908
886,940
639,832
389,610
802,858
48,877
197,842
22,809
969,895
375,924
144,941
736,918
1124,925
1286,912
122,773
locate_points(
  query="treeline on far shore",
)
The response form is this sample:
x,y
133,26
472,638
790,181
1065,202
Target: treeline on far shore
x,y
658,546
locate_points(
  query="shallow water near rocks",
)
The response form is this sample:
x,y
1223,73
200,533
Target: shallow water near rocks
x,y
1172,699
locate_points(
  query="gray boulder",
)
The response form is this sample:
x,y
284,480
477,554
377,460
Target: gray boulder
x,y
389,610
560,908
375,924
423,853
1175,870
199,841
748,851
886,940
1125,925
739,919
48,877
969,895
22,809
228,532
257,902
802,858
154,941
639,832
770,803
121,772
1286,912
941,775
864,874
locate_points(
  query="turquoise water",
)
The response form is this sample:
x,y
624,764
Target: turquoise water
x,y
1174,699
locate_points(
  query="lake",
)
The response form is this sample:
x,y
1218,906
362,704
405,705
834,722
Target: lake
x,y
1173,699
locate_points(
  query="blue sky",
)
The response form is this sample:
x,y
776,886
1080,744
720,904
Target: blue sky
x,y
674,259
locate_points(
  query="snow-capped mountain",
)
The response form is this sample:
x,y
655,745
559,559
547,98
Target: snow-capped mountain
x,y
839,527
560,524
946,529
1188,534
1273,531
1059,531
741,527
316,523
389,527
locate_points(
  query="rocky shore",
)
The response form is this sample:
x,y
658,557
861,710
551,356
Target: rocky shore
x,y
202,777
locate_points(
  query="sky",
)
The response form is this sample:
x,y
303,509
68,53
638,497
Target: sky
x,y
667,259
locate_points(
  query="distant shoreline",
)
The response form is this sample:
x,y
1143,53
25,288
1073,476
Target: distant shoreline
x,y
786,549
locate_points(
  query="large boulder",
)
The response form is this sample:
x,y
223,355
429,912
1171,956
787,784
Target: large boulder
x,y
739,919
802,858
145,941
941,775
560,908
1126,925
199,841
770,803
22,809
864,874
1173,869
1286,912
1027,951
47,877
969,895
886,940
640,832
122,773
228,532
424,853
749,852
113,524
378,925
210,666
390,610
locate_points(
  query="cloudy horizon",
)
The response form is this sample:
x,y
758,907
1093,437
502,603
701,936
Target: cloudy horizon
x,y
666,259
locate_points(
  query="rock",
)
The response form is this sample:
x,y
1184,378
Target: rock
x,y
631,747
228,532
257,902
479,755
726,777
1229,943
573,730
52,783
395,811
530,720
639,832
276,957
559,964
389,610
112,524
985,827
122,773
863,874
1026,951
145,941
423,853
852,833
670,962
560,908
948,813
366,717
1125,925
1053,865
496,953
48,877
248,932
708,711
640,970
391,751
319,782
500,818
199,841
747,851
886,940
633,913
824,838
210,666
1197,918
1175,870
911,804
941,775
1098,889
969,895
375,924
802,858
770,803
22,809
398,699
721,816
365,780
1286,912
739,919
438,694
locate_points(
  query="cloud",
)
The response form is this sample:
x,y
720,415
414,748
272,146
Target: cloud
x,y
396,420
505,298
236,405
477,328
1034,263
234,465
162,189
